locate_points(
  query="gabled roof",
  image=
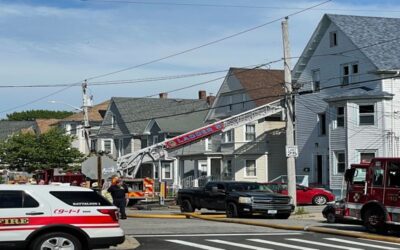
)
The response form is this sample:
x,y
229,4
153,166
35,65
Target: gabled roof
x,y
262,85
182,123
7,128
96,113
376,37
136,113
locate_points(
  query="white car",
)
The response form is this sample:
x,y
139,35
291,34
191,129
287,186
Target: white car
x,y
41,217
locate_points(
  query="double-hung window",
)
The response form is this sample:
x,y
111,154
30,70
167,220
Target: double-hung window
x,y
251,170
322,124
316,81
228,136
250,132
340,161
349,73
340,117
367,115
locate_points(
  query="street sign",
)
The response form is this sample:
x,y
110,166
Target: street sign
x,y
292,151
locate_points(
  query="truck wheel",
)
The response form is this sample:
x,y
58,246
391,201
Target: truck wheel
x,y
186,207
56,240
231,210
374,221
331,217
319,200
283,216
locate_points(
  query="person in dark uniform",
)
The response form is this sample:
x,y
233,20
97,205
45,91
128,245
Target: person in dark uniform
x,y
119,193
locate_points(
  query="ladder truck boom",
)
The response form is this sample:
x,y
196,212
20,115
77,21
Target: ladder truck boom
x,y
128,165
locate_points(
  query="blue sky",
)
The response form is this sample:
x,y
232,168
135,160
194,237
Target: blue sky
x,y
56,41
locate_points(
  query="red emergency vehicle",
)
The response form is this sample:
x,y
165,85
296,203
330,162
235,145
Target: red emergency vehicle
x,y
54,175
373,193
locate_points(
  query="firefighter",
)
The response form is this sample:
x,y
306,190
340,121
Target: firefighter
x,y
119,193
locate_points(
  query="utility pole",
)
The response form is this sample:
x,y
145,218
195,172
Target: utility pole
x,y
291,149
87,102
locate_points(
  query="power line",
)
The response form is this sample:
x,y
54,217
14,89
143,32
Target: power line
x,y
232,6
207,44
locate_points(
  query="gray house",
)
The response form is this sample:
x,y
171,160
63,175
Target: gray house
x,y
131,124
348,107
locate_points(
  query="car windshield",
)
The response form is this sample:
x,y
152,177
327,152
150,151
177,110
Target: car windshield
x,y
255,187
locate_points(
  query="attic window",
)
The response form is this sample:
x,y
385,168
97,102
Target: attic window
x,y
333,39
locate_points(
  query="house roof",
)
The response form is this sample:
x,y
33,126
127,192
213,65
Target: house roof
x,y
45,125
376,37
358,94
365,31
182,123
96,113
8,128
262,85
137,112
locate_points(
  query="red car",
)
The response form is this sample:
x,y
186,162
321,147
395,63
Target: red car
x,y
305,195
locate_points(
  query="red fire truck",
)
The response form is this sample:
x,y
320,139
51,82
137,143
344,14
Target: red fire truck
x,y
373,193
55,175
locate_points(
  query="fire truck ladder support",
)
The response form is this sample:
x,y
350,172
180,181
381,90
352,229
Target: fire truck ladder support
x,y
128,165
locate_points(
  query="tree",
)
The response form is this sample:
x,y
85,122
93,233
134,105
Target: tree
x,y
31,115
29,151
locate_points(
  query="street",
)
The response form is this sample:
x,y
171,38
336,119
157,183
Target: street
x,y
198,234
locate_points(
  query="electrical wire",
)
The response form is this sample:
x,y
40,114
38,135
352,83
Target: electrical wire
x,y
231,6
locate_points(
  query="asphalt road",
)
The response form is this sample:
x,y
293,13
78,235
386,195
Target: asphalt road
x,y
260,241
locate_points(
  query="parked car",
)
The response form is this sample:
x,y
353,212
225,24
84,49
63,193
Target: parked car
x,y
305,195
237,199
37,217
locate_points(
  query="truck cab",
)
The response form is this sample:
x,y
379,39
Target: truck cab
x,y
373,193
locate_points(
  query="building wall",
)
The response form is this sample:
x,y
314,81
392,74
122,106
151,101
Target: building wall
x,y
308,106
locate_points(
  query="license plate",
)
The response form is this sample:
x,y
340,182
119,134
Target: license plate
x,y
272,211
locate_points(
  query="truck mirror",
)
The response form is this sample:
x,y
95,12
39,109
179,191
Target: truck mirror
x,y
349,174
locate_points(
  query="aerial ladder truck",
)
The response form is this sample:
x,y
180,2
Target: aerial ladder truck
x,y
129,164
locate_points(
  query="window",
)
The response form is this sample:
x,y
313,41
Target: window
x,y
228,168
166,170
155,139
377,173
251,168
113,121
250,132
366,156
93,145
156,167
393,174
229,103
81,198
16,199
143,143
316,80
333,39
359,176
107,146
208,144
367,114
340,162
228,136
322,124
349,73
73,129
202,168
340,117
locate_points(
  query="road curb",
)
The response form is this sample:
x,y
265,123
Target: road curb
x,y
174,216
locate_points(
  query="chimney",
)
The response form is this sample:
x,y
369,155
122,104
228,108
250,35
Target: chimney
x,y
210,100
163,95
202,95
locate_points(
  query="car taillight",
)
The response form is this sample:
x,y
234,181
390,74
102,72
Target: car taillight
x,y
112,212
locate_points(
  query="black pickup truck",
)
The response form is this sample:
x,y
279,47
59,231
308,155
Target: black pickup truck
x,y
236,198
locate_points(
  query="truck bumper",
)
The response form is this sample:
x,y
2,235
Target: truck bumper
x,y
271,209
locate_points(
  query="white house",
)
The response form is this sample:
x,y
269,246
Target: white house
x,y
348,103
